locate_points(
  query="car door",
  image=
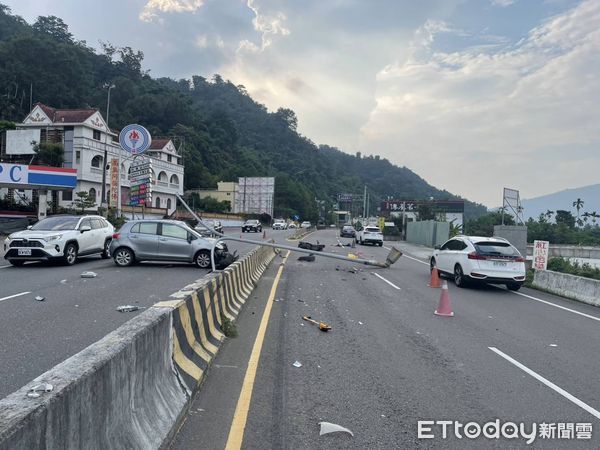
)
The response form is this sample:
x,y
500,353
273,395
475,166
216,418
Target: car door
x,y
85,239
144,239
98,233
173,244
444,255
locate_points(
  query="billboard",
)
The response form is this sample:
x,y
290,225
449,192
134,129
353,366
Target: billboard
x,y
255,195
19,142
22,176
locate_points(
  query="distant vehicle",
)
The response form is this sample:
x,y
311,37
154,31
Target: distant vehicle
x,y
370,235
470,259
279,224
212,223
62,238
252,225
163,240
348,231
305,224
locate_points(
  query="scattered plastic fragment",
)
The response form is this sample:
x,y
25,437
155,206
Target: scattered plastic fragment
x,y
297,364
359,322
89,275
327,428
39,298
63,281
553,345
34,392
128,308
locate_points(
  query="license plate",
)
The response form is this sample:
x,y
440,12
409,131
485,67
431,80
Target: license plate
x,y
499,264
24,252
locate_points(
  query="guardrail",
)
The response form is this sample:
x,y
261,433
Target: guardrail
x,y
132,388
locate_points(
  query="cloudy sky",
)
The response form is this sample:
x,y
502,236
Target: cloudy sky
x,y
473,95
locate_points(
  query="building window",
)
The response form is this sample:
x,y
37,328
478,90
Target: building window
x,y
157,202
169,158
168,204
97,161
67,196
77,157
162,176
93,194
175,180
97,135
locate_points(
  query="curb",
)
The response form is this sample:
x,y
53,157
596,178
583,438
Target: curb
x,y
132,388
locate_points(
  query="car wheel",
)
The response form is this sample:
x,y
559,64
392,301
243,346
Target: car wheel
x,y
202,259
124,257
70,254
106,252
513,286
16,262
459,276
361,242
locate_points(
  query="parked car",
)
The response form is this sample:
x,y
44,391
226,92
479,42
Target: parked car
x,y
279,224
370,235
305,224
252,225
163,240
348,231
62,238
213,224
480,259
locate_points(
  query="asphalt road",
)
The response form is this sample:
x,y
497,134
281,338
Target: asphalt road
x,y
389,361
76,312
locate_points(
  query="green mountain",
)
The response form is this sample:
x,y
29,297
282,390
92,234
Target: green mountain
x,y
221,130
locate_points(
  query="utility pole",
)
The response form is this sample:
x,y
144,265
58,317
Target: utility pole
x,y
103,201
365,202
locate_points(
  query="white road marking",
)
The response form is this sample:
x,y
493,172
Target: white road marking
x,y
13,296
4,267
387,281
556,306
548,383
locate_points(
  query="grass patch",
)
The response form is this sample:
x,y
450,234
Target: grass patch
x,y
563,265
228,327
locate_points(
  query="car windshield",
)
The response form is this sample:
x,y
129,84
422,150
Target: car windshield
x,y
496,248
56,224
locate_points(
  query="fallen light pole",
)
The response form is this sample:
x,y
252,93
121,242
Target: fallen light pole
x,y
392,257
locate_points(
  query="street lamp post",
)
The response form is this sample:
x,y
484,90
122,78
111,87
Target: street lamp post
x,y
103,201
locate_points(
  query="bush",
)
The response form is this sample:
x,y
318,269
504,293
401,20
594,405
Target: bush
x,y
563,265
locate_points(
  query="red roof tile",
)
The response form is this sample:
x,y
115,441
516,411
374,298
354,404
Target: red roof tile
x,y
66,115
159,144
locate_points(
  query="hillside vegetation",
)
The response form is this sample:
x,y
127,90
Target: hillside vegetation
x,y
221,130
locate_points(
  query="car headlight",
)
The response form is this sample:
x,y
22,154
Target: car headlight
x,y
52,238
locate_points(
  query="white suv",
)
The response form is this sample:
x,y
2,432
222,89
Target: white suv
x,y
60,237
279,224
370,234
481,259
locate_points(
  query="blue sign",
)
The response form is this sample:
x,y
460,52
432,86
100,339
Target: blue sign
x,y
296,217
22,176
135,139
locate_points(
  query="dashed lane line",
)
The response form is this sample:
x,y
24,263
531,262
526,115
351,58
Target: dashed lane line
x,y
14,296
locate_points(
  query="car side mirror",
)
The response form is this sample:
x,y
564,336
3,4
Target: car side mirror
x,y
437,247
29,227
85,228
191,238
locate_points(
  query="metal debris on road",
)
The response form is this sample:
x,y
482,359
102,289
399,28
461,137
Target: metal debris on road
x,y
40,389
327,428
322,325
297,364
309,258
39,298
89,275
128,308
309,246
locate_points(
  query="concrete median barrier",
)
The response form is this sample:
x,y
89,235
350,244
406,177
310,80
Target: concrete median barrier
x,y
585,290
130,389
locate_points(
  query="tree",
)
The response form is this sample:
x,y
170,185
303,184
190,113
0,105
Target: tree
x,y
484,225
49,153
578,204
84,201
565,218
55,27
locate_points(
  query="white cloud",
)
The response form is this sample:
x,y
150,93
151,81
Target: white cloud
x,y
474,121
268,25
503,3
149,12
201,41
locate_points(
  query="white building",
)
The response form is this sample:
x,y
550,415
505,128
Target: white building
x,y
85,136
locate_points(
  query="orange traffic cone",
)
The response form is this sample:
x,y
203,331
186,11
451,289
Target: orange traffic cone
x,y
434,282
444,308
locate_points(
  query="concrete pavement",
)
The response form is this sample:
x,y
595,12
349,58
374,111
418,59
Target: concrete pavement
x,y
389,361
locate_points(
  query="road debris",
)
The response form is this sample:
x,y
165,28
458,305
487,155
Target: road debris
x,y
309,258
327,428
128,308
553,345
39,298
63,281
40,389
297,364
89,275
309,246
322,325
